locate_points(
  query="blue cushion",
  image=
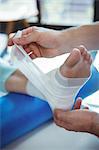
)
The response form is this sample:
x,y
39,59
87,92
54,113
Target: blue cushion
x,y
22,113
91,86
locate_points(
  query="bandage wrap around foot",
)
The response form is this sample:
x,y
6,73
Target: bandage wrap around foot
x,y
58,91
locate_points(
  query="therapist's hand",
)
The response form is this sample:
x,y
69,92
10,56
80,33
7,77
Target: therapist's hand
x,y
75,120
40,41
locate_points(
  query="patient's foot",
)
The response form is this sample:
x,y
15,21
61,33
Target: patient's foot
x,y
77,64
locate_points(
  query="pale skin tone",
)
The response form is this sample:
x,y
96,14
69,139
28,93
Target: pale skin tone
x,y
49,43
78,59
77,120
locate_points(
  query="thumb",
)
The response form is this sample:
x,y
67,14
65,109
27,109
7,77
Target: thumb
x,y
27,39
60,114
78,103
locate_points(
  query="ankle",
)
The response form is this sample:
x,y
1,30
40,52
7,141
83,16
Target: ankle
x,y
69,81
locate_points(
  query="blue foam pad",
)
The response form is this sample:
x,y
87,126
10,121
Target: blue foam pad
x,y
21,113
92,85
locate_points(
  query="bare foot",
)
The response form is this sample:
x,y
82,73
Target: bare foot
x,y
77,64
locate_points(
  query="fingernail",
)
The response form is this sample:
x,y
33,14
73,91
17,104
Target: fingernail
x,y
79,98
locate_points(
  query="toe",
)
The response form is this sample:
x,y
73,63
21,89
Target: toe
x,y
88,57
82,49
90,60
84,53
73,58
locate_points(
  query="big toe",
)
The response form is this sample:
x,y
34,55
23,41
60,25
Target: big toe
x,y
73,58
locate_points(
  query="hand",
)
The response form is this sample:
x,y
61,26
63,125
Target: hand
x,y
40,41
75,120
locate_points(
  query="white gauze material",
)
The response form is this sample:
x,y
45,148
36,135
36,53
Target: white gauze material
x,y
48,87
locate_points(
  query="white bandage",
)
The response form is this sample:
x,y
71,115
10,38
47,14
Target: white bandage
x,y
33,91
47,86
64,89
63,95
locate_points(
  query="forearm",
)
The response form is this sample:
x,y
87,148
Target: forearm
x,y
87,35
16,83
95,125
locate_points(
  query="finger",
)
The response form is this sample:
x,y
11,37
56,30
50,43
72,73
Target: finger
x,y
78,103
24,32
10,41
33,56
27,31
60,114
59,123
63,124
57,113
27,49
27,38
35,48
35,28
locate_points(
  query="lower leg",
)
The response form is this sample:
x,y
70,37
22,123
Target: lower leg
x,y
16,82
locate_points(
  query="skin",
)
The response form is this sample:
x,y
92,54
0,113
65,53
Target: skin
x,y
49,43
78,120
79,59
75,120
16,83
